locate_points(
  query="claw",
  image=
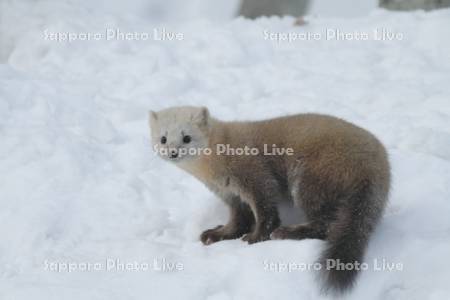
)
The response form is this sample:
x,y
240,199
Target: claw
x,y
278,234
252,238
211,236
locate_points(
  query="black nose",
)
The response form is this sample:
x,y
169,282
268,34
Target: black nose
x,y
173,154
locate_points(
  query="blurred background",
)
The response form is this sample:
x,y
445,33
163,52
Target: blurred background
x,y
173,12
180,10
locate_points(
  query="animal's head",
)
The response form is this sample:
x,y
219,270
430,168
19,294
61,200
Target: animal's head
x,y
180,133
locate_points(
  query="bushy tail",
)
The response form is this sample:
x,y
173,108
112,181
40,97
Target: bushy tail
x,y
348,238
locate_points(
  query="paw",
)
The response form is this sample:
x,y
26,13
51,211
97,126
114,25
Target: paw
x,y
280,233
252,238
211,236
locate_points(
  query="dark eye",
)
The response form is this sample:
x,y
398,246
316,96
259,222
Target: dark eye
x,y
163,140
187,139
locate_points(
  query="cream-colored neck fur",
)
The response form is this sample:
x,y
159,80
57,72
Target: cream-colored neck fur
x,y
201,167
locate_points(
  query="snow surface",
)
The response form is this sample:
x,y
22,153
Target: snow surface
x,y
81,185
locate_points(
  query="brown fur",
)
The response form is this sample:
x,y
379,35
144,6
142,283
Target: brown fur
x,y
339,175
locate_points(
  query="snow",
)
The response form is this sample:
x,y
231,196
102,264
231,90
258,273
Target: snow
x,y
80,183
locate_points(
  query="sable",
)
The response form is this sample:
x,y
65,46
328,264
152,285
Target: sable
x,y
337,173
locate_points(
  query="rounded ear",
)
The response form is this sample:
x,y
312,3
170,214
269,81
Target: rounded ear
x,y
153,117
202,116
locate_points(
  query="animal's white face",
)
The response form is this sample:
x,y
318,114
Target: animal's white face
x,y
179,133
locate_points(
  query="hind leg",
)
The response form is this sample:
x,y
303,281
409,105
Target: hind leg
x,y
313,197
313,230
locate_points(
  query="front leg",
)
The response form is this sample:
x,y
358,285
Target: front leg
x,y
240,223
262,201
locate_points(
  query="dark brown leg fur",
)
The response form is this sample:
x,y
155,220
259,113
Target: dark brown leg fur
x,y
318,202
240,223
261,199
267,220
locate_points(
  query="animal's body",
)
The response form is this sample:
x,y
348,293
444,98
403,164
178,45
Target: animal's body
x,y
337,173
